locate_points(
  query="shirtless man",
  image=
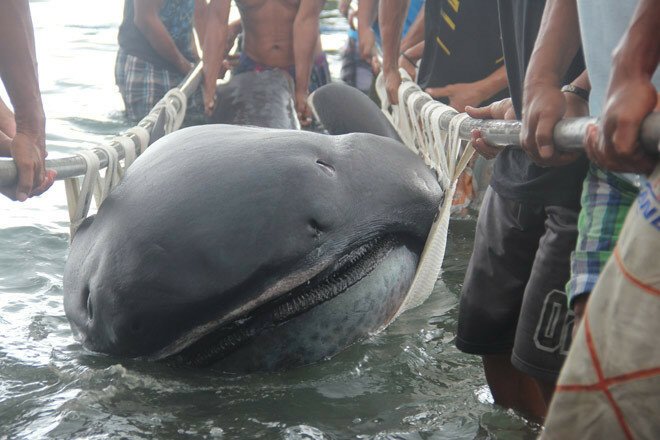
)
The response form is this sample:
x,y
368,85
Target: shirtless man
x,y
277,34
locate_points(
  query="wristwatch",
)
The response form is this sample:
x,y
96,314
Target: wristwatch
x,y
582,93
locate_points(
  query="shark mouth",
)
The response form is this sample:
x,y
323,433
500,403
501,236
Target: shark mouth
x,y
348,271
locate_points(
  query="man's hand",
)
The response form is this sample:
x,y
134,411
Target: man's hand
x,y
502,109
460,95
544,105
392,83
208,92
29,155
613,145
367,43
302,109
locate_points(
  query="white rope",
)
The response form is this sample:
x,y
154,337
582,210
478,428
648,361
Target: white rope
x,y
79,195
173,117
143,136
128,146
417,120
79,192
112,176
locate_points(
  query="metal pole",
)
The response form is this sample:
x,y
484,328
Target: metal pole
x,y
568,136
72,166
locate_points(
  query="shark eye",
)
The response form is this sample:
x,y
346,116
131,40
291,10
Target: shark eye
x,y
87,298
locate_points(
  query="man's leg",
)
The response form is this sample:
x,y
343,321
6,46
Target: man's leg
x,y
512,388
544,328
506,241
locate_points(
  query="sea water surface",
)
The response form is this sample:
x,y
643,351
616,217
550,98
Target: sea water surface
x,y
408,382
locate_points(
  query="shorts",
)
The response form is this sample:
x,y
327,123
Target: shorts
x,y
606,199
513,299
143,84
319,76
354,70
609,387
320,72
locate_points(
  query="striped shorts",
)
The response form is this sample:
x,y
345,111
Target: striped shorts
x,y
143,84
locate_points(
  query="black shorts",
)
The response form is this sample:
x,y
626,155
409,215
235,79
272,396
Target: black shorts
x,y
513,298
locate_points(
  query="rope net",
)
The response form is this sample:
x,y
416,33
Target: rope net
x,y
120,152
417,120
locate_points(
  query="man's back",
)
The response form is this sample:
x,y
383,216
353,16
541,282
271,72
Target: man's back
x,y
268,30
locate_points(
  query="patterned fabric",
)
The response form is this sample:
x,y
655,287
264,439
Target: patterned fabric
x,y
606,199
320,70
177,16
247,64
142,85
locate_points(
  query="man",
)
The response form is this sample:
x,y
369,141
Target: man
x,y
612,373
606,196
462,64
525,233
457,67
369,29
277,34
155,50
18,70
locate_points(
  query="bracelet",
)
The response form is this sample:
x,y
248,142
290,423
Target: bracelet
x,y
582,93
403,54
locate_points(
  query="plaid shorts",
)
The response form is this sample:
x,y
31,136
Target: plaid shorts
x,y
143,84
606,199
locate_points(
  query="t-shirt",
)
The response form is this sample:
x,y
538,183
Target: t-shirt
x,y
176,15
602,24
462,43
515,176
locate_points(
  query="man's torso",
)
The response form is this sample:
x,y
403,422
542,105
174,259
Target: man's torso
x,y
268,30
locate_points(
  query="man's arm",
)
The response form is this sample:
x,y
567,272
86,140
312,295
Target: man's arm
x,y
213,49
462,95
149,23
18,69
7,121
366,14
409,58
391,16
305,36
631,95
415,33
201,10
544,105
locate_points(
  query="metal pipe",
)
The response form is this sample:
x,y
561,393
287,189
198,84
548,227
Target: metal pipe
x,y
73,166
568,136
568,133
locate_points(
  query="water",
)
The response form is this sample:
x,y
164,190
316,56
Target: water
x,y
408,382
